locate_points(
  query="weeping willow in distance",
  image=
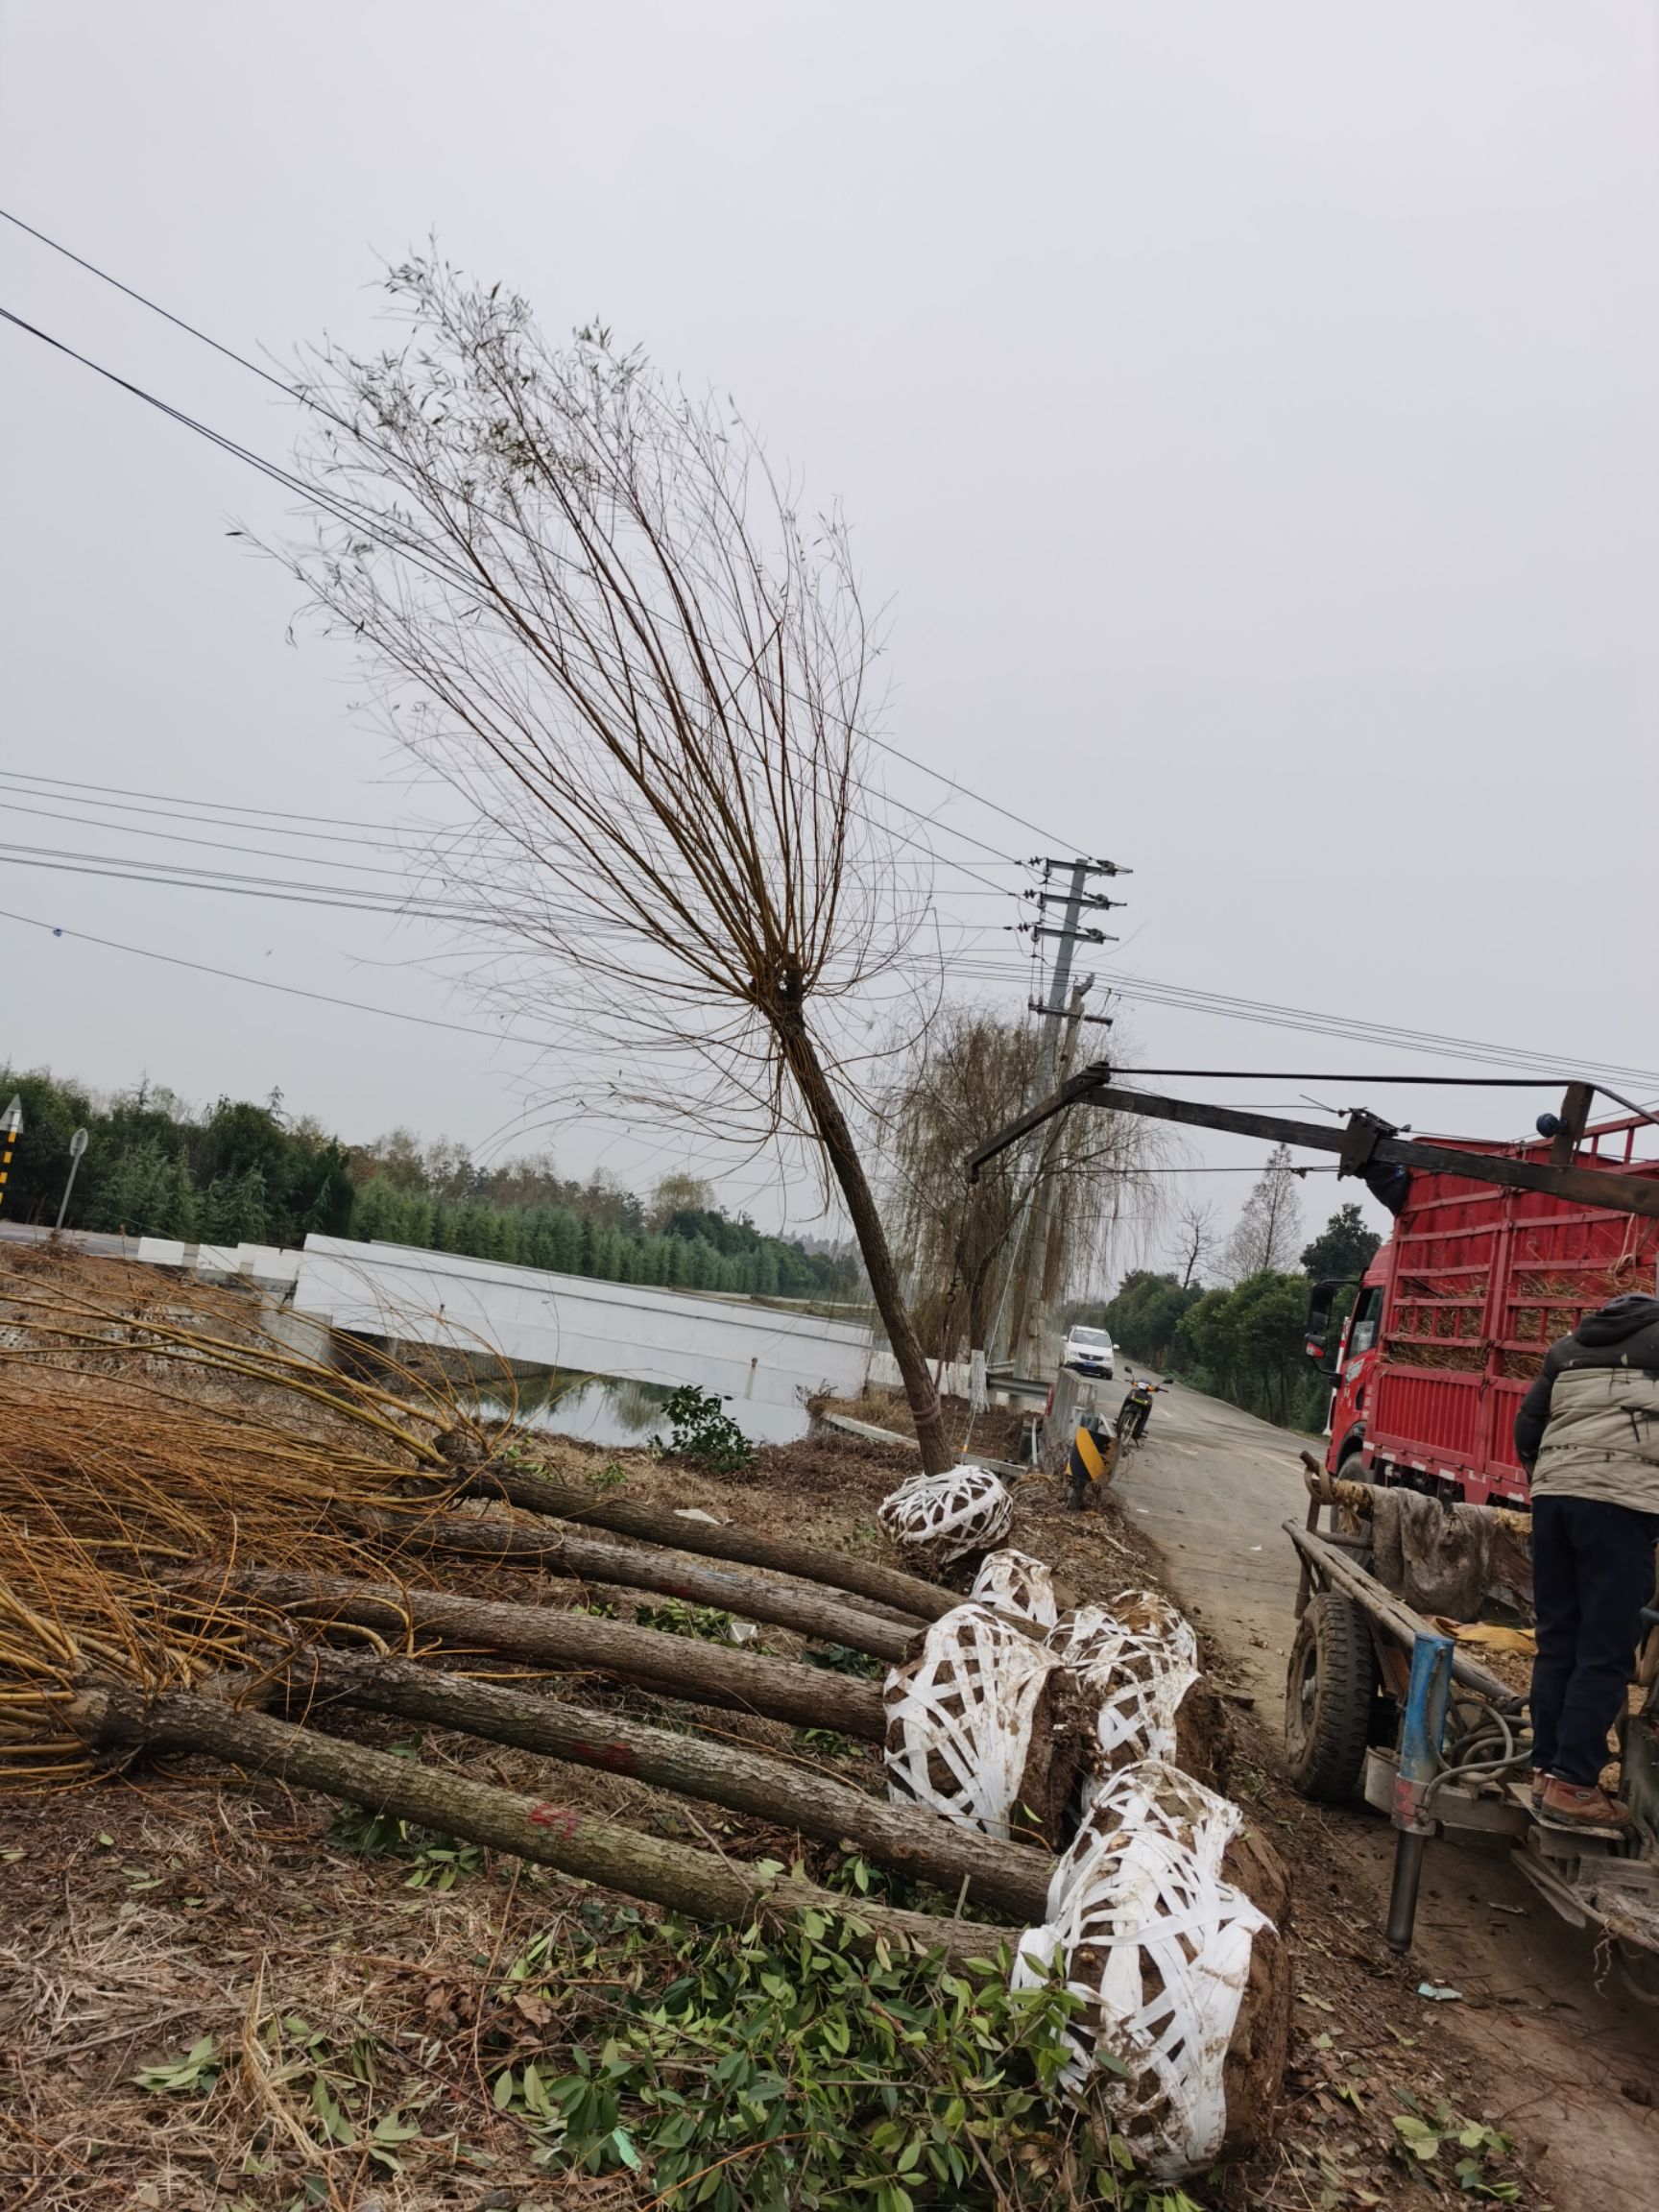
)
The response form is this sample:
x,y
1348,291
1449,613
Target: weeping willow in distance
x,y
973,1070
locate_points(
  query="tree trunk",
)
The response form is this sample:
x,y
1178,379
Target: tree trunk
x,y
676,1876
809,1612
581,1844
683,1667
824,1109
538,1491
1005,1876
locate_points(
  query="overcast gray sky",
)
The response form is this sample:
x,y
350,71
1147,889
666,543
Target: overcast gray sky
x,y
1247,412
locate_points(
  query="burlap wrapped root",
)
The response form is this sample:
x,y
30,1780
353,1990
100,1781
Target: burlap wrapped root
x,y
985,1726
1012,1581
941,1519
1181,1979
1136,1657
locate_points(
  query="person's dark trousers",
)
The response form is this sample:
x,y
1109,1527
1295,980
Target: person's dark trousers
x,y
1592,1573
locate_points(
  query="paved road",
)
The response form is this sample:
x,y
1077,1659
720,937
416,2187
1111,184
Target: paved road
x,y
1212,1486
1568,2058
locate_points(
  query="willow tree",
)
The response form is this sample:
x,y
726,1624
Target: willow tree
x,y
966,1075
599,615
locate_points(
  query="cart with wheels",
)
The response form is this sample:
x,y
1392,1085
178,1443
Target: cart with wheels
x,y
1380,1703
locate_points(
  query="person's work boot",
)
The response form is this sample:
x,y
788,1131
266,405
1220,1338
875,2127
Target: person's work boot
x,y
1539,1778
1570,1805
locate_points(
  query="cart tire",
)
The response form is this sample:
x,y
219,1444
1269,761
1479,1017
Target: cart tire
x,y
1327,1699
1353,1469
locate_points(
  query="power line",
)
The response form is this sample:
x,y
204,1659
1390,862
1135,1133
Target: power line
x,y
287,990
289,890
172,799
447,573
208,809
1271,1016
170,811
167,316
297,392
212,844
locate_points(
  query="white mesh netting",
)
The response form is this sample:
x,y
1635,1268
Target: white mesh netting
x,y
1138,1657
960,1715
1012,1581
942,1518
1156,1944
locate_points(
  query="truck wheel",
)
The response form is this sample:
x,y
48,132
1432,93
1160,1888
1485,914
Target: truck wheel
x,y
1327,1698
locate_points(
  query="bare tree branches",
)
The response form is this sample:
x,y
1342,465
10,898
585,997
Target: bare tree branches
x,y
598,615
1195,1243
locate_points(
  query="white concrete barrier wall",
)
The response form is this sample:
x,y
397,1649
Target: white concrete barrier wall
x,y
632,1329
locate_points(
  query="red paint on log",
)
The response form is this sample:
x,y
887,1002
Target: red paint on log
x,y
614,1758
562,1822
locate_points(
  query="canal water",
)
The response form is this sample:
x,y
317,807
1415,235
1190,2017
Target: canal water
x,y
602,1410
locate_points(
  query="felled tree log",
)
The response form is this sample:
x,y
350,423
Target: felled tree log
x,y
538,1492
811,1611
1005,1876
676,1876
681,1666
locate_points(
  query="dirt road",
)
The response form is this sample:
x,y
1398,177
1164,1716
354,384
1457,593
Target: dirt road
x,y
1572,2062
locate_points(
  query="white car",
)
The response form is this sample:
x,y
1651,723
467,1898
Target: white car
x,y
1088,1351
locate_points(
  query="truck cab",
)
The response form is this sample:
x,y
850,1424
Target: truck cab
x,y
1453,1317
1353,1365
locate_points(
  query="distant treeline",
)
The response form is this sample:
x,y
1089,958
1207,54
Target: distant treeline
x,y
244,1173
1245,1344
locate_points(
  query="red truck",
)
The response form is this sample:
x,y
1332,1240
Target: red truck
x,y
1456,1310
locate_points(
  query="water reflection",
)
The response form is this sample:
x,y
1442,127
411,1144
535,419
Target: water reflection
x,y
611,1410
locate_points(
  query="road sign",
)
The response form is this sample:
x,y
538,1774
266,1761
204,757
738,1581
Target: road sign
x,y
77,1145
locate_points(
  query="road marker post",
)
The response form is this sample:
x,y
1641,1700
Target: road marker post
x,y
11,1129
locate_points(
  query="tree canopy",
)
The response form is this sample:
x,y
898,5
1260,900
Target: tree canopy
x,y
246,1174
1344,1247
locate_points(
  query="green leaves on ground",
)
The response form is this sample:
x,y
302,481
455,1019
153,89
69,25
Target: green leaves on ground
x,y
674,1618
1475,2150
440,1862
192,2076
791,2069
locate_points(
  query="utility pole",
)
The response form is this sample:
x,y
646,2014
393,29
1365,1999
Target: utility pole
x,y
1030,1324
1063,1013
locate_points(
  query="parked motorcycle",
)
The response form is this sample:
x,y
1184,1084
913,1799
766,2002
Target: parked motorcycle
x,y
1136,1410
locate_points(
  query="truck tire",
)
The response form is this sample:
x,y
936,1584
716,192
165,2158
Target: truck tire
x,y
1328,1693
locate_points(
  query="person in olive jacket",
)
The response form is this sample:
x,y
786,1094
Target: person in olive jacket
x,y
1588,1434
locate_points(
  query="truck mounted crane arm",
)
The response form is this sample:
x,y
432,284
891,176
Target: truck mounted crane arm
x,y
1362,1142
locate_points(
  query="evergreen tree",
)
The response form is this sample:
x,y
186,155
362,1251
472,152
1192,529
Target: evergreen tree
x,y
1343,1247
148,1193
236,1210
